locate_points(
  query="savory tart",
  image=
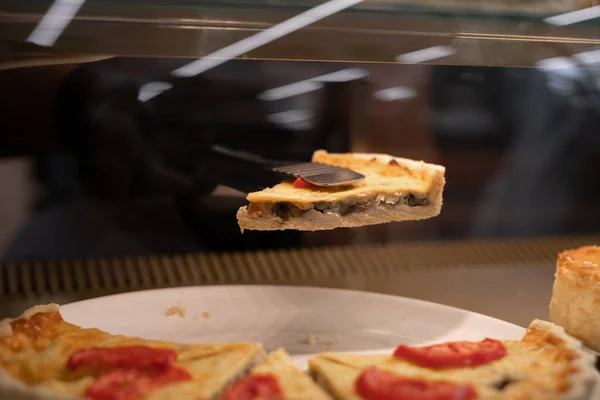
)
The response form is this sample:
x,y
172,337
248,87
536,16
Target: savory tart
x,y
276,378
394,189
545,364
575,303
43,357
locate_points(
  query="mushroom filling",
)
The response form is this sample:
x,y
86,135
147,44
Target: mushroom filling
x,y
286,210
504,382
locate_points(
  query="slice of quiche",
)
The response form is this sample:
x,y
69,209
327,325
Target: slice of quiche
x,y
575,302
394,189
276,378
546,364
43,357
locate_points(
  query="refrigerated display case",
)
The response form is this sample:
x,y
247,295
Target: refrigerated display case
x,y
505,94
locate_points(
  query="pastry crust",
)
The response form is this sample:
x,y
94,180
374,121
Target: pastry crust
x,y
294,384
575,303
546,364
394,189
36,347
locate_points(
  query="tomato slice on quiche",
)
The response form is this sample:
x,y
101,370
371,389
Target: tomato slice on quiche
x,y
276,379
300,183
453,354
376,384
255,387
133,384
139,357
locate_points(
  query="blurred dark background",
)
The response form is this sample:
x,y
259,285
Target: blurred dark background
x,y
93,167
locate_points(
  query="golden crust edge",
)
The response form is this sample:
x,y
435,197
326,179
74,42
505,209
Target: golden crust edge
x,y
586,381
574,297
384,159
14,389
567,261
6,323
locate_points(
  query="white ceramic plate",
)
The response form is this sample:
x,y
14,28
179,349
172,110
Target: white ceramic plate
x,y
340,320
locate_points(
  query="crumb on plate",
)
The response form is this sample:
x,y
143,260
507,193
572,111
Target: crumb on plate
x,y
310,339
176,310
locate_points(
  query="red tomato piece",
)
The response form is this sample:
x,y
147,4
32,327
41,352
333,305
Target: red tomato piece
x,y
255,387
136,357
300,183
132,384
375,384
453,354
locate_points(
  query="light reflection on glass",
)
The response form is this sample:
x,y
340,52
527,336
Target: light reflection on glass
x,y
153,89
301,118
395,93
261,38
428,54
556,63
589,57
312,84
574,17
54,22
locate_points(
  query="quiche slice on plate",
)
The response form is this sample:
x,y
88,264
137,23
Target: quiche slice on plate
x,y
546,364
43,357
394,189
276,379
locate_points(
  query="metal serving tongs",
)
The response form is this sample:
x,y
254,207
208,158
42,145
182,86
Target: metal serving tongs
x,y
248,172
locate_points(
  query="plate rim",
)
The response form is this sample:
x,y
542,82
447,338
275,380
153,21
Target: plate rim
x,y
363,293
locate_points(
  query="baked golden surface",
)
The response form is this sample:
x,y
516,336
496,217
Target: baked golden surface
x,y
575,303
34,352
545,364
383,175
584,260
34,349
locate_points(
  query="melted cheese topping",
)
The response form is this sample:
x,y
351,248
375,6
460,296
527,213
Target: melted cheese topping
x,y
383,175
538,367
37,351
293,383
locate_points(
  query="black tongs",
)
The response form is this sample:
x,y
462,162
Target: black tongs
x,y
249,172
